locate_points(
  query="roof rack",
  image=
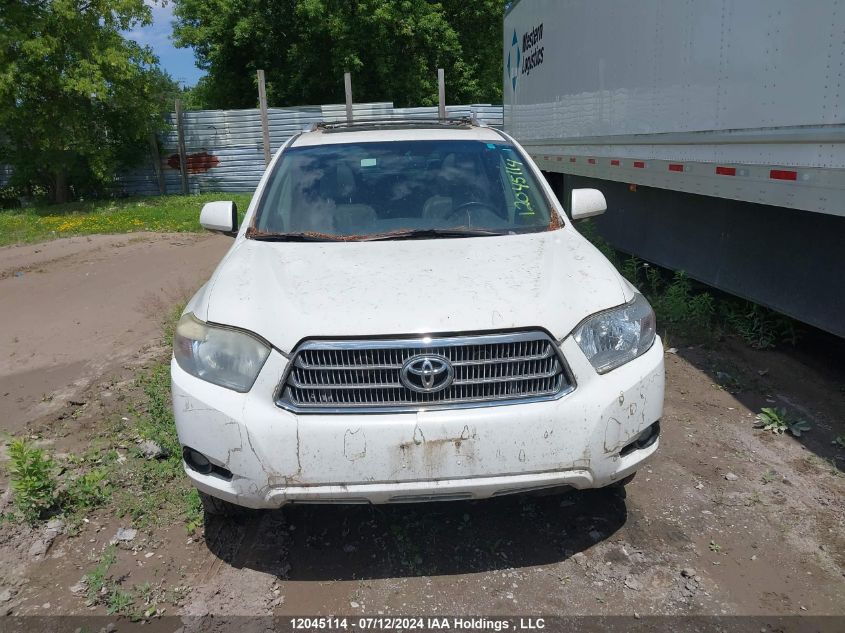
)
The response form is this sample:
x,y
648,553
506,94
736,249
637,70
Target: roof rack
x,y
395,123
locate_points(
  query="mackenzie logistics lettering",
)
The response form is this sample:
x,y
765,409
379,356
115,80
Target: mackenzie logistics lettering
x,y
532,52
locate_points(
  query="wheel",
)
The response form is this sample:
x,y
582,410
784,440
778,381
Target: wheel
x,y
218,507
623,482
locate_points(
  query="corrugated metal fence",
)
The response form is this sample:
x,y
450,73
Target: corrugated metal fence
x,y
224,148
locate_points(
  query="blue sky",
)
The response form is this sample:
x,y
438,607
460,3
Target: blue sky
x,y
179,62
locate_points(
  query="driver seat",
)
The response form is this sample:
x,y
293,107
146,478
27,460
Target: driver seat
x,y
456,183
439,206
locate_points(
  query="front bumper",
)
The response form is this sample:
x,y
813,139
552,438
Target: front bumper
x,y
277,457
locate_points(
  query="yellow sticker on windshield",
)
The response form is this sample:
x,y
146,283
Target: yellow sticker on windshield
x,y
519,186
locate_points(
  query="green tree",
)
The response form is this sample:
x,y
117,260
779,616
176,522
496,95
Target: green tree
x,y
391,47
77,99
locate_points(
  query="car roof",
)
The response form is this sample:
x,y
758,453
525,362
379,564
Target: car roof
x,y
363,133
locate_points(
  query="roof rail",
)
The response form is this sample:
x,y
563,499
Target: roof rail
x,y
395,123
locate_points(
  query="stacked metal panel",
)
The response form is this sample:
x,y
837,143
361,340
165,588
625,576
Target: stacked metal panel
x,y
224,147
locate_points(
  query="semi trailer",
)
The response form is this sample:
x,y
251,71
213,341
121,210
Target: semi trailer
x,y
714,128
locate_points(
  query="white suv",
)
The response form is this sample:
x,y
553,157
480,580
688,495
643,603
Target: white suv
x,y
407,314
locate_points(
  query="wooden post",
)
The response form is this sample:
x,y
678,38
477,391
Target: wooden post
x,y
180,133
162,187
347,85
265,123
441,91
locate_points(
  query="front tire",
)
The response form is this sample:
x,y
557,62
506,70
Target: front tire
x,y
213,506
624,482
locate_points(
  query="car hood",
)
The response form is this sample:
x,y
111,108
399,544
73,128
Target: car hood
x,y
290,291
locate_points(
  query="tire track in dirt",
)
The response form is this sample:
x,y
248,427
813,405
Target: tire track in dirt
x,y
76,307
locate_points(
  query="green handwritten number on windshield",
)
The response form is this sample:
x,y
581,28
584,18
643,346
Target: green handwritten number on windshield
x,y
519,187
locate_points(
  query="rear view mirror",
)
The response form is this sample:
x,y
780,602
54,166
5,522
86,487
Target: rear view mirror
x,y
586,203
221,217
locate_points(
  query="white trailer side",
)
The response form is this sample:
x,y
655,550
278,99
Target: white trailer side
x,y
727,116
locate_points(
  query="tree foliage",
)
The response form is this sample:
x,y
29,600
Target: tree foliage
x,y
392,48
77,99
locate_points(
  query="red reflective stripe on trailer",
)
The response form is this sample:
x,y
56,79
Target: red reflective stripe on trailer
x,y
639,164
573,159
726,171
592,161
676,167
783,174
559,158
614,163
545,158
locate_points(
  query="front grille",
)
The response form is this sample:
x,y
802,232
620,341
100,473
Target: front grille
x,y
343,376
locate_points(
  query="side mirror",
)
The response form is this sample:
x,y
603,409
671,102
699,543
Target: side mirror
x,y
221,217
586,203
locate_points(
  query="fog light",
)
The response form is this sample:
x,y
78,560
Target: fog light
x,y
646,438
196,460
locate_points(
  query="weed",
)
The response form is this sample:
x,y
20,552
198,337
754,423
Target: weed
x,y
691,313
690,310
103,590
714,547
158,424
32,479
165,496
192,510
88,491
754,499
96,578
839,441
631,270
768,477
758,326
119,602
778,422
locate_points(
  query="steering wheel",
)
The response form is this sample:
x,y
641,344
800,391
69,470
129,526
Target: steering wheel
x,y
466,208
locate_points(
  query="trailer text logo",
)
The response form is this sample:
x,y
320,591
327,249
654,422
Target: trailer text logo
x,y
525,55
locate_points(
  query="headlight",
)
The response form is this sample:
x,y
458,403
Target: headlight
x,y
225,357
612,338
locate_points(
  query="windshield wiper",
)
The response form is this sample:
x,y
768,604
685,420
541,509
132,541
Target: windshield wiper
x,y
291,237
414,234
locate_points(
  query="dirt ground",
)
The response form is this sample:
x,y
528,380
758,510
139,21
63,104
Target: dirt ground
x,y
74,308
726,520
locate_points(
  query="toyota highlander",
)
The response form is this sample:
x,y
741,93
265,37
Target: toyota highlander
x,y
407,313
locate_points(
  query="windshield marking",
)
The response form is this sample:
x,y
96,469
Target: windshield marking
x,y
518,184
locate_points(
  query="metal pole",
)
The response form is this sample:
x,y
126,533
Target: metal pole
x,y
162,188
441,91
265,123
180,133
347,85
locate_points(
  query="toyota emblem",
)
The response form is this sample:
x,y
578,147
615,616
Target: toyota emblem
x,y
427,373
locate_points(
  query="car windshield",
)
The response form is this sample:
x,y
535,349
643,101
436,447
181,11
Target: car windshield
x,y
400,189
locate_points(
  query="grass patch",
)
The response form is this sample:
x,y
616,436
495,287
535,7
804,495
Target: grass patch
x,y
161,214
96,579
155,492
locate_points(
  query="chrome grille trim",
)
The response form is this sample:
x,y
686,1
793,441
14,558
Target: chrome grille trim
x,y
363,376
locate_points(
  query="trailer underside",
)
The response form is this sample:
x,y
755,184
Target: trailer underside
x,y
785,259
